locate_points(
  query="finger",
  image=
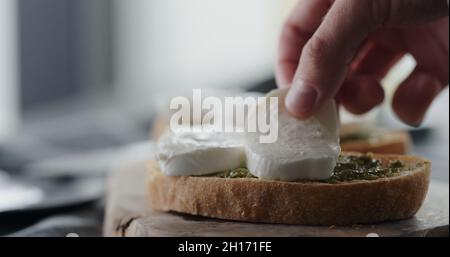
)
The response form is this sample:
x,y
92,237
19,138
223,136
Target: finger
x,y
361,94
326,57
431,51
441,28
402,12
377,61
414,96
297,30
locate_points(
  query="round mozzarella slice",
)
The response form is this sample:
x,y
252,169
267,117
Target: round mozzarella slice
x,y
199,152
305,149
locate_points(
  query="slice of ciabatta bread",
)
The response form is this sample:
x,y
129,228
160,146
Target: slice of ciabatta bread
x,y
368,138
393,142
307,203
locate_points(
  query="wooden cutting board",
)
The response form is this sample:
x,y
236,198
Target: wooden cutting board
x,y
128,214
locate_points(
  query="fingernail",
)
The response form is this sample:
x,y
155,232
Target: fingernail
x,y
301,100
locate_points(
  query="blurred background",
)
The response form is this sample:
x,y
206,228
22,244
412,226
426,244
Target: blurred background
x,y
99,69
82,80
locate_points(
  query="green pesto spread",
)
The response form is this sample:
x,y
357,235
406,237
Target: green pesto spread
x,y
348,167
236,173
363,167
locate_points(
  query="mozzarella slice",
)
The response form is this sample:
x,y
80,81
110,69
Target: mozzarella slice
x,y
186,153
305,149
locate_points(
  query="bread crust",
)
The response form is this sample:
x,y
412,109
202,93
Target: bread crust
x,y
395,142
306,203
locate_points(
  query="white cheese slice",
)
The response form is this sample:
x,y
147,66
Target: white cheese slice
x,y
305,149
186,153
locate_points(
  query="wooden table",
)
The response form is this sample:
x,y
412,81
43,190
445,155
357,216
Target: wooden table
x,y
128,214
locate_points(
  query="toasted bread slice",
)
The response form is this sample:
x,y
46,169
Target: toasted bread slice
x,y
307,203
366,138
394,142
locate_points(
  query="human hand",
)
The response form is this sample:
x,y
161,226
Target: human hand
x,y
344,48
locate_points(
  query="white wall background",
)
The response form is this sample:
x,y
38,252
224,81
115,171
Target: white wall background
x,y
166,45
8,70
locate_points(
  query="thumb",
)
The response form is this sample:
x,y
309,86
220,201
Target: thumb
x,y
326,57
